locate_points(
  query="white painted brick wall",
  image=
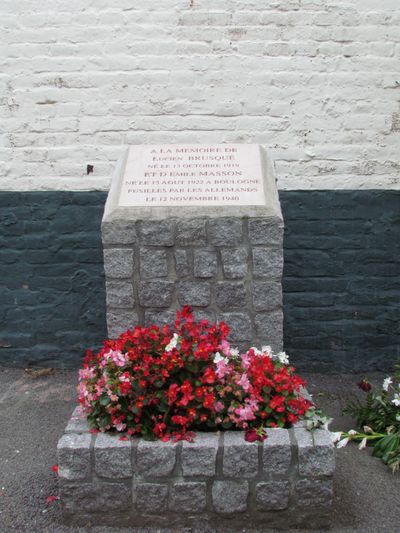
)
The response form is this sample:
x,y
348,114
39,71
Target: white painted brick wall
x,y
315,81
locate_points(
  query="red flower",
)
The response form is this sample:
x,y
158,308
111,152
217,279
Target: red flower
x,y
55,468
365,385
209,376
252,435
134,385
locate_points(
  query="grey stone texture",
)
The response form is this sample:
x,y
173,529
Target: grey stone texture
x,y
182,263
199,457
224,265
194,293
234,262
267,295
267,263
156,293
225,231
77,423
73,451
112,457
230,497
277,452
314,492
151,497
159,318
240,325
120,293
191,232
119,320
99,498
272,495
204,263
119,232
155,458
266,231
118,262
240,458
219,479
188,497
156,232
269,326
153,263
230,294
316,453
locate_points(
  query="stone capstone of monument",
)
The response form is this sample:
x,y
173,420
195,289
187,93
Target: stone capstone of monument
x,y
219,480
195,225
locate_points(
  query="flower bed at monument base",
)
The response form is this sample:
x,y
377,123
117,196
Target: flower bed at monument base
x,y
219,480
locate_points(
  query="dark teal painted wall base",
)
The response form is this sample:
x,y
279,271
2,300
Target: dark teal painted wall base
x,y
341,278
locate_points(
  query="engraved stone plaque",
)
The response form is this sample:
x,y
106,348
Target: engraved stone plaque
x,y
225,174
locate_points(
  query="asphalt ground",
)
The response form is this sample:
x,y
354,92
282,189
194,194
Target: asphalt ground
x,y
34,410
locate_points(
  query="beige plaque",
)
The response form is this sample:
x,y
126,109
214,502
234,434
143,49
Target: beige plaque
x,y
192,174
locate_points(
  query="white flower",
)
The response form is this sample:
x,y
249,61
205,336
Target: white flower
x,y
342,443
218,358
335,436
256,350
234,352
363,443
352,432
267,350
172,343
367,429
283,358
396,400
386,383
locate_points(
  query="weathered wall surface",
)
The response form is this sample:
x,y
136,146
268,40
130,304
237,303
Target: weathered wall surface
x,y
315,81
340,285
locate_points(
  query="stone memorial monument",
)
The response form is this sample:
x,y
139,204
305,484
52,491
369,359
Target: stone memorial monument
x,y
196,225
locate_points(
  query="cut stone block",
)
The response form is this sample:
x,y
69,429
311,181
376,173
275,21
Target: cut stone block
x,y
112,457
316,453
155,458
151,497
199,457
73,452
230,497
272,495
277,453
240,457
188,497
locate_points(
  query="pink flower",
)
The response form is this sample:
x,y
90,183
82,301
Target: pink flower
x,y
219,406
245,413
225,348
222,369
244,382
246,360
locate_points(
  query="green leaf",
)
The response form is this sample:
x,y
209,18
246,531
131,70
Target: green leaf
x,y
105,401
